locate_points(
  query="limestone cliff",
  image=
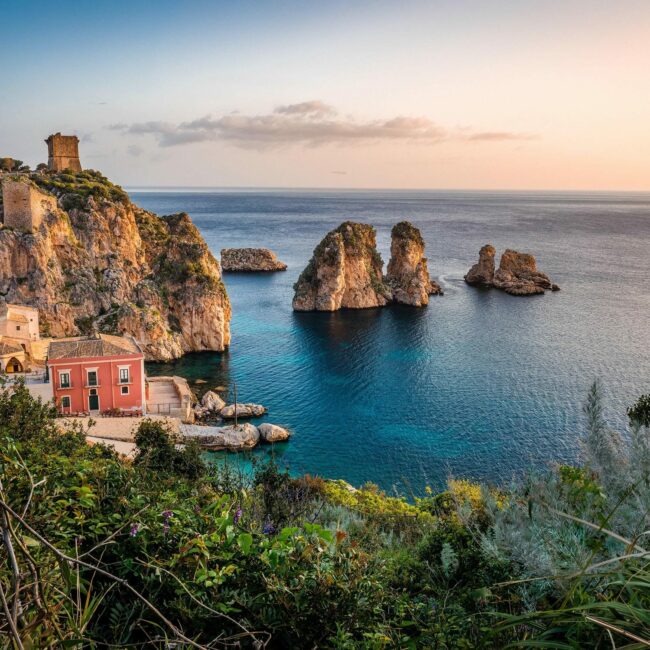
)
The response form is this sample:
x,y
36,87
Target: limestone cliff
x,y
344,272
517,273
407,272
100,262
250,260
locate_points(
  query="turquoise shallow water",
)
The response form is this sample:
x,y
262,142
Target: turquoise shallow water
x,y
479,384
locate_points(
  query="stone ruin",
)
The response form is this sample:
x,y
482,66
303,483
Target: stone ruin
x,y
24,205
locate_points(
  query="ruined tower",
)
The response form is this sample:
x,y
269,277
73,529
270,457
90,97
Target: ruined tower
x,y
24,205
63,152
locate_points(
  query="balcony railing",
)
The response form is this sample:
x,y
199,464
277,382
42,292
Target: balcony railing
x,y
66,385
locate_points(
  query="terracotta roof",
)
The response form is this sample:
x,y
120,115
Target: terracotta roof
x,y
9,348
101,345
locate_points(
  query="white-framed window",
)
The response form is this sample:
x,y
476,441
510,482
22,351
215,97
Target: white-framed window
x,y
64,379
125,376
65,402
124,390
92,378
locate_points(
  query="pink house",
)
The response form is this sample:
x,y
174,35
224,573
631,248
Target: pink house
x,y
97,373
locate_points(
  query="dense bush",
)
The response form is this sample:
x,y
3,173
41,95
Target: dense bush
x,y
165,551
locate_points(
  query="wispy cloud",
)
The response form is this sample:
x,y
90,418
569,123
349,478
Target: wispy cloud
x,y
499,136
310,123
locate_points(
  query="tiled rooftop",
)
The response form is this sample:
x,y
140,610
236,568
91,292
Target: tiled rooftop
x,y
9,348
100,345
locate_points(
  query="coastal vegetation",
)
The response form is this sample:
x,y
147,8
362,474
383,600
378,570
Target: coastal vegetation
x,y
167,551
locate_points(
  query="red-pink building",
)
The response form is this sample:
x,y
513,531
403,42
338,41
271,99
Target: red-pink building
x,y
97,373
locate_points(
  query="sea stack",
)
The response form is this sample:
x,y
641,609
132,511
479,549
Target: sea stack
x,y
517,273
482,273
345,272
250,260
407,273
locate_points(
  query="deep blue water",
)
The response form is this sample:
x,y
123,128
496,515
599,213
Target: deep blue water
x,y
479,384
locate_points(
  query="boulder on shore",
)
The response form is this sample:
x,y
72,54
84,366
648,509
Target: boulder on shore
x,y
482,273
242,411
242,436
212,402
250,260
273,432
407,272
346,271
517,273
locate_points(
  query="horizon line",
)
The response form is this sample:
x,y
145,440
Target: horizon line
x,y
145,188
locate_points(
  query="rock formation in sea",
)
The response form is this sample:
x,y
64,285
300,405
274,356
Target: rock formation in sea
x,y
233,437
407,273
273,432
99,262
242,411
344,272
482,273
517,273
250,260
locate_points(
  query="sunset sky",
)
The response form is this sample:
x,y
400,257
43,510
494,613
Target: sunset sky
x,y
439,94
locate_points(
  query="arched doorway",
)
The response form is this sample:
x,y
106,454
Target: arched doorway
x,y
13,365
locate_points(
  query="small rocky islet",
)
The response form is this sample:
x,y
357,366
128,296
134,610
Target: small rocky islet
x,y
517,274
250,260
346,271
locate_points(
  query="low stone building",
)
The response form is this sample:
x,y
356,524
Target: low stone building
x,y
19,323
12,358
63,152
24,205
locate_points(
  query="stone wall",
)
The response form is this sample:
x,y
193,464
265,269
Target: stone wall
x,y
63,152
25,205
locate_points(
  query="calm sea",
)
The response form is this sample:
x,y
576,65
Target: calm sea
x,y
479,384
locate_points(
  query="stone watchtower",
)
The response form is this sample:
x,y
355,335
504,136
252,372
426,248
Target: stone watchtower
x,y
63,152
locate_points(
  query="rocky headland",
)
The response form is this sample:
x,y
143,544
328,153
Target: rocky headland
x,y
97,262
407,273
517,273
250,260
345,272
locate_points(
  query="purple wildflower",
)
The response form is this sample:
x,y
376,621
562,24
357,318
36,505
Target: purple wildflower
x,y
268,529
238,513
135,528
167,515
